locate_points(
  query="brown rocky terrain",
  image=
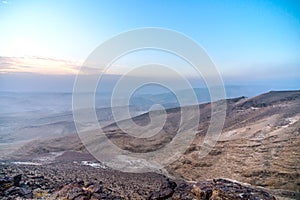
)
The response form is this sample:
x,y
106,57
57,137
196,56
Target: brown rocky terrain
x,y
259,145
63,180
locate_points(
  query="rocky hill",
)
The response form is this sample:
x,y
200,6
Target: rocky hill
x,y
259,145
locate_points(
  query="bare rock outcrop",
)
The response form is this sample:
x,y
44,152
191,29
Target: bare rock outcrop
x,y
210,190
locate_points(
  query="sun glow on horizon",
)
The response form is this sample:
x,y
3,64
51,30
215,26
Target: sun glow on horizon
x,y
50,66
38,65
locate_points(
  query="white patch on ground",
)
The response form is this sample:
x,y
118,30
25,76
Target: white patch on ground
x,y
50,157
93,164
230,133
235,181
26,163
130,164
291,120
260,136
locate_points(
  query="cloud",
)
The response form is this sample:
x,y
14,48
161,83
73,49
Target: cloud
x,y
48,66
5,2
38,65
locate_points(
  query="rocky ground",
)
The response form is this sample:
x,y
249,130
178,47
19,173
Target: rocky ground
x,y
63,180
259,145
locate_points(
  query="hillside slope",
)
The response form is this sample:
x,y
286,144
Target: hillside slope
x,y
259,143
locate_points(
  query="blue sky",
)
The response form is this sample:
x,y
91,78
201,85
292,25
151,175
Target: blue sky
x,y
241,37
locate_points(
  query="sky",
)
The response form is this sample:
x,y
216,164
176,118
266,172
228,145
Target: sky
x,y
249,41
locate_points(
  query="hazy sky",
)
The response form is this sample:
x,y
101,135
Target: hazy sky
x,y
246,39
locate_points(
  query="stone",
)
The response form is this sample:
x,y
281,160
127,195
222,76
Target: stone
x,y
17,179
166,191
17,191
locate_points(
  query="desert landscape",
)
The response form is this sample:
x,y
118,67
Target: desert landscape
x,y
149,100
257,150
